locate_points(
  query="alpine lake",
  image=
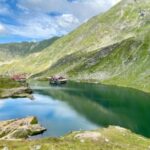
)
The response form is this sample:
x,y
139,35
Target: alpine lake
x,y
81,106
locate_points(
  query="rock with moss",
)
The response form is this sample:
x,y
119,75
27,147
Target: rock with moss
x,y
20,128
11,88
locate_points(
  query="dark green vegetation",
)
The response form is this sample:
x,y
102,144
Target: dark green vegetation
x,y
6,83
11,88
114,138
111,48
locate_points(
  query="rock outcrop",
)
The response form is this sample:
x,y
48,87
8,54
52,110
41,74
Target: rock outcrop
x,y
16,92
15,89
20,128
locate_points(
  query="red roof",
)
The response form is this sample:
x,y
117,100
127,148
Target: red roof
x,y
19,77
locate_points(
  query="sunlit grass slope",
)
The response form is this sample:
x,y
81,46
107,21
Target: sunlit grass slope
x,y
114,138
112,48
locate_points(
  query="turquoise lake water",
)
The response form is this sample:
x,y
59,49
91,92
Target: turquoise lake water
x,y
81,106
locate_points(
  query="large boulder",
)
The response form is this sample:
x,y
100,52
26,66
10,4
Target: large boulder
x,y
20,128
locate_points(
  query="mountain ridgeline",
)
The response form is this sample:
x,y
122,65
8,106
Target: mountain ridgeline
x,y
23,49
111,48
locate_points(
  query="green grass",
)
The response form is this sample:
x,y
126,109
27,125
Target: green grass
x,y
113,138
11,88
7,83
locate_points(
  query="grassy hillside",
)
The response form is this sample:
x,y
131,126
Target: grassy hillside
x,y
15,50
111,48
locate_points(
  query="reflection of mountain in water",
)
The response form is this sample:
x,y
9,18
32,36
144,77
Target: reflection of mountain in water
x,y
106,105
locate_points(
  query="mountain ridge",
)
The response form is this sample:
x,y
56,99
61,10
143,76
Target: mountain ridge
x,y
82,54
23,49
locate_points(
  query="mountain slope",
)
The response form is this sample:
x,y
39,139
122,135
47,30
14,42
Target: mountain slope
x,y
111,48
16,50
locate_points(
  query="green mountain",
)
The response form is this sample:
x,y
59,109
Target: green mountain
x,y
16,50
111,48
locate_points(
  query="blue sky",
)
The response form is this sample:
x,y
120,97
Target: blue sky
x,y
28,20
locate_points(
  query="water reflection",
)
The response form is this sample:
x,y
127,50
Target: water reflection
x,y
76,106
106,105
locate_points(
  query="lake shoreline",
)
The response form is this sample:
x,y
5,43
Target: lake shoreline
x,y
105,138
103,82
116,136
14,89
110,84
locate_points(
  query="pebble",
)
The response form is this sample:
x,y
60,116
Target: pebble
x,y
36,147
106,140
5,148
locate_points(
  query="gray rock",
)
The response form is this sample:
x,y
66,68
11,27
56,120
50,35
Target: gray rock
x,y
20,128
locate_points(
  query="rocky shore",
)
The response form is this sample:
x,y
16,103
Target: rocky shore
x,y
20,128
111,138
11,88
16,92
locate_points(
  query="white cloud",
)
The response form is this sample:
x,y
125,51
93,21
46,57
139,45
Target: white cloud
x,y
35,22
2,28
4,9
43,26
83,9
